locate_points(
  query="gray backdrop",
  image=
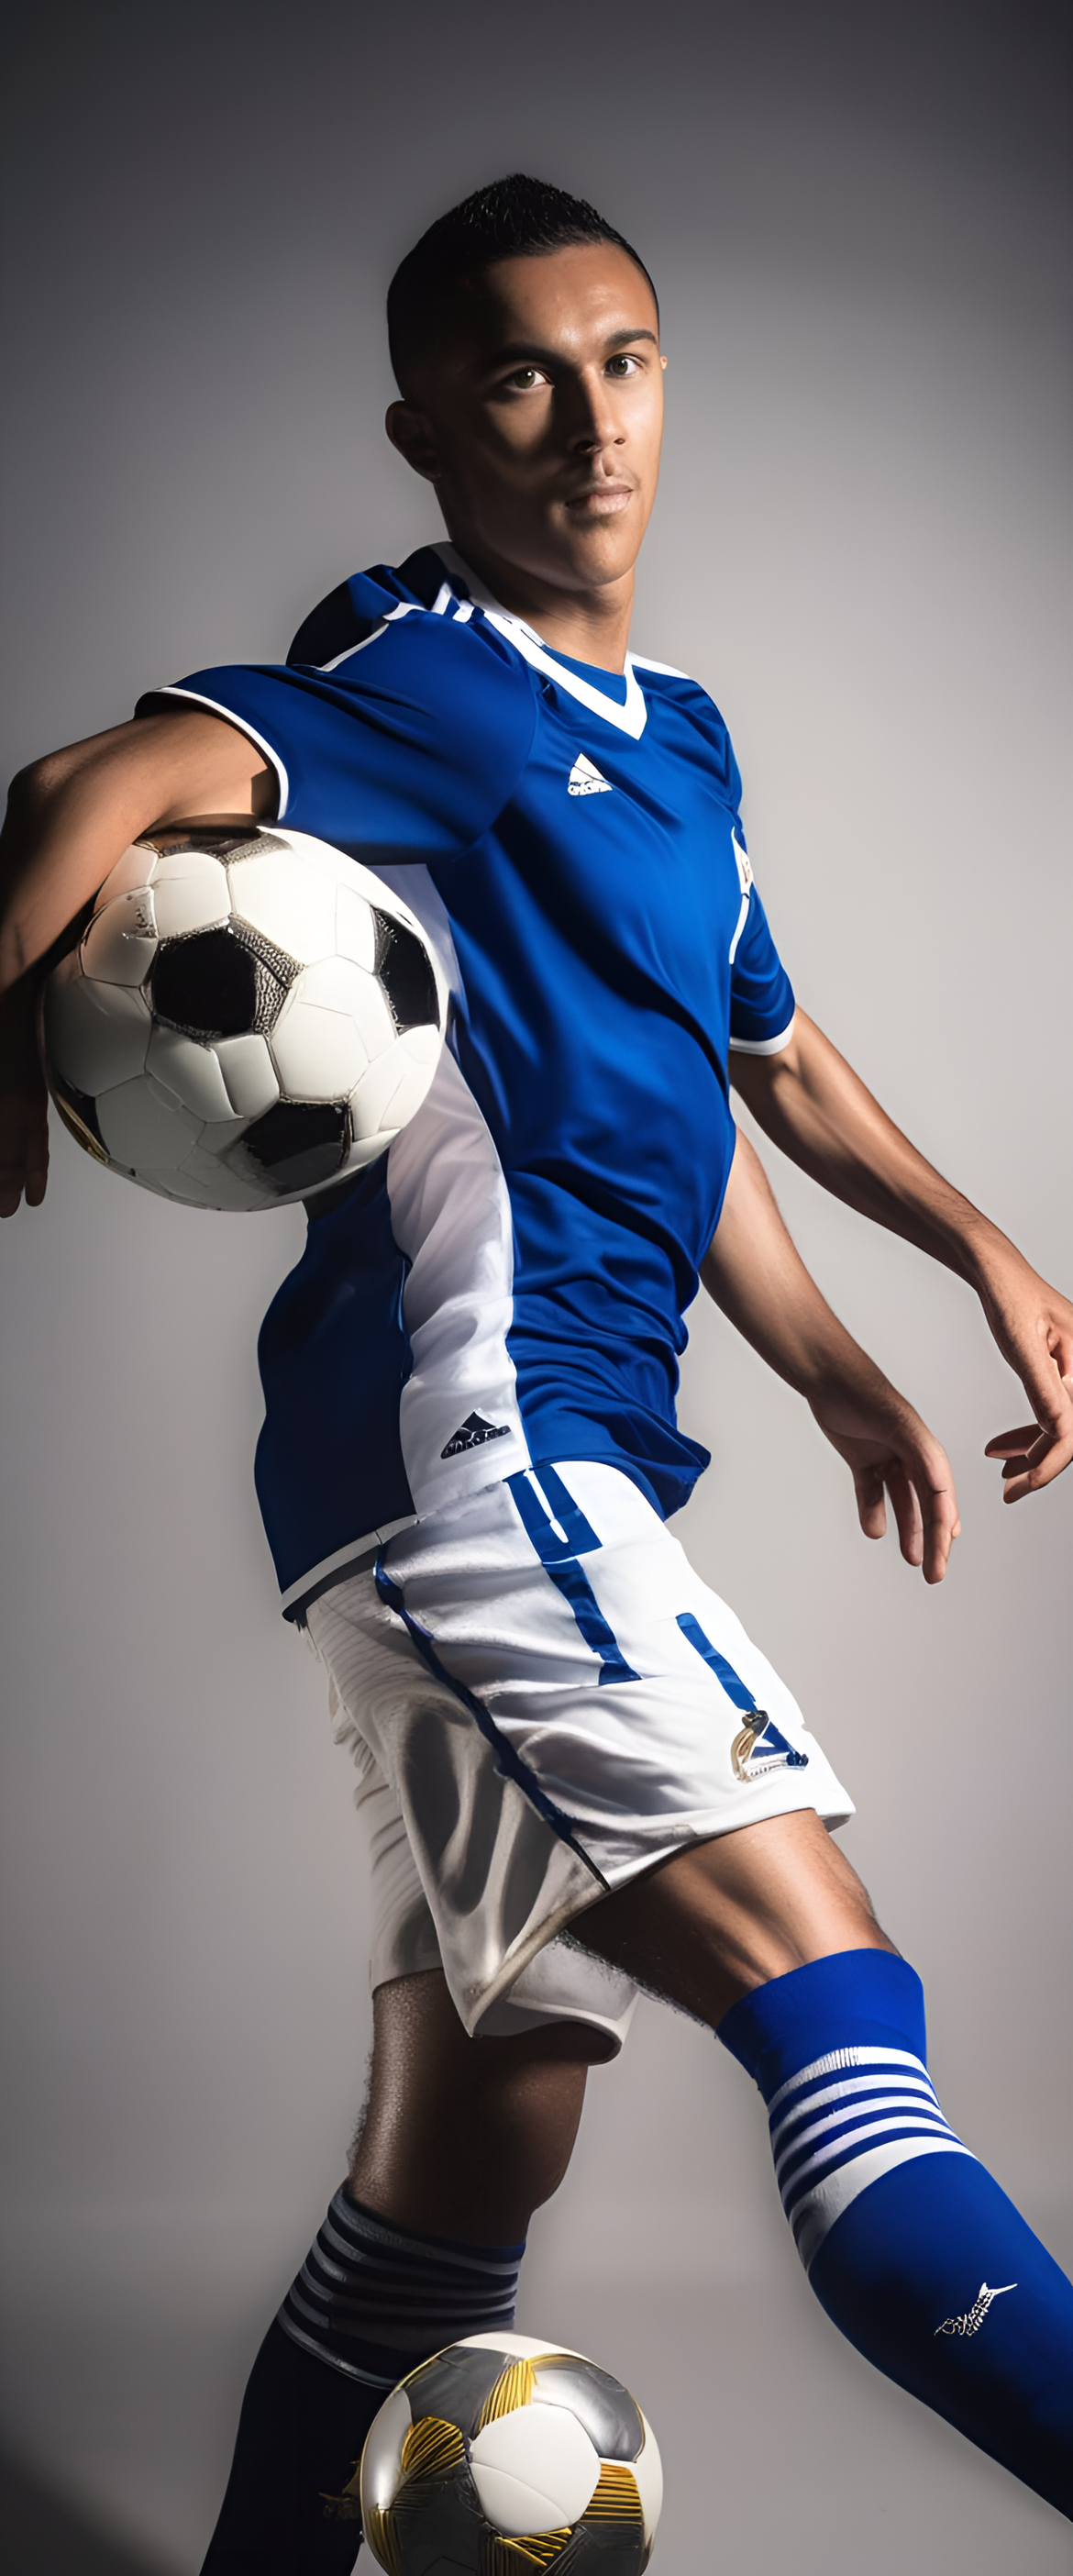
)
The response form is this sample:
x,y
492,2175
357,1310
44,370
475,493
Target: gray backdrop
x,y
855,218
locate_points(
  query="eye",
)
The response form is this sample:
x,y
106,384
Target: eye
x,y
622,365
524,379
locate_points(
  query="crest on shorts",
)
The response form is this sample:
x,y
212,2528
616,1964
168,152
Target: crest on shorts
x,y
761,1747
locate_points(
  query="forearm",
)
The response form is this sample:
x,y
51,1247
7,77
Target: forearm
x,y
812,1104
71,816
755,1274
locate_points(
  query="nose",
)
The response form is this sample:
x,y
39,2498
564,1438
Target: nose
x,y
591,423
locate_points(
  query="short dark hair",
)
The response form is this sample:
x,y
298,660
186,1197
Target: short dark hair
x,y
510,218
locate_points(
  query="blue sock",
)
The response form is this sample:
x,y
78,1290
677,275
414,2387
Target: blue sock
x,y
370,2302
910,2246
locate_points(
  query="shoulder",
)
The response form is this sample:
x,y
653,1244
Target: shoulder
x,y
380,628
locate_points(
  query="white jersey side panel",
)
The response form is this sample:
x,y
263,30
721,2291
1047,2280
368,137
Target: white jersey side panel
x,y
450,1214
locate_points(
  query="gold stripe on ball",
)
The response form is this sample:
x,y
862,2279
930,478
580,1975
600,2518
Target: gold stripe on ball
x,y
77,1128
431,2448
515,2386
615,2497
503,2557
381,2537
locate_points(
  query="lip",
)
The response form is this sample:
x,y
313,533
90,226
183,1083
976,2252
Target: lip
x,y
600,497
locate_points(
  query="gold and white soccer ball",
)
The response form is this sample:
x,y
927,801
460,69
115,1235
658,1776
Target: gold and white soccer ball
x,y
502,2456
247,1017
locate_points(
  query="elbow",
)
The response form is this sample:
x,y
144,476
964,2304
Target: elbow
x,y
33,789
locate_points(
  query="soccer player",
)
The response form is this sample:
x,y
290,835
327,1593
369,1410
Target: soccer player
x,y
578,1771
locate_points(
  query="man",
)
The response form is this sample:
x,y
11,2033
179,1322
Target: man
x,y
470,1445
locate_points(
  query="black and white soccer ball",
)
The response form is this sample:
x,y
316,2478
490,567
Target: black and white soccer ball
x,y
246,1018
502,2456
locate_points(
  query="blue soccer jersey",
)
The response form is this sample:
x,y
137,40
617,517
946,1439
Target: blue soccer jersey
x,y
506,1286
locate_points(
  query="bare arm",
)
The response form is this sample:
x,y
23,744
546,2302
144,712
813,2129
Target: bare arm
x,y
755,1273
812,1104
70,817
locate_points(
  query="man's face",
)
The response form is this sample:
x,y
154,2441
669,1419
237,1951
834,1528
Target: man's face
x,y
540,415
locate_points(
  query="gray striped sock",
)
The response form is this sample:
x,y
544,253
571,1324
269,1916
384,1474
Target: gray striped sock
x,y
372,2300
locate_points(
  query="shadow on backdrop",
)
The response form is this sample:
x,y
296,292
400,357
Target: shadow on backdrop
x,y
40,2535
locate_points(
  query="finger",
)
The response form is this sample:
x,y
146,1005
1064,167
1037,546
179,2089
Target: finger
x,y
36,1181
1047,1458
871,1501
1049,1393
907,1512
1013,1444
942,1525
926,1469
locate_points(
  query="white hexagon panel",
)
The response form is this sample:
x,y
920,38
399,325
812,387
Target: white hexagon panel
x,y
121,942
141,1128
96,1035
318,1053
189,893
190,1071
292,906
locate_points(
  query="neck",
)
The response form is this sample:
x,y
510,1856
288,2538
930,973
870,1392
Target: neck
x,y
589,625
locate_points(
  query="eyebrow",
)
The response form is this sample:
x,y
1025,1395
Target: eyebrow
x,y
529,352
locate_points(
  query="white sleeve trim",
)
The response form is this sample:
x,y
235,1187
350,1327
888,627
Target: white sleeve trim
x,y
195,697
764,1046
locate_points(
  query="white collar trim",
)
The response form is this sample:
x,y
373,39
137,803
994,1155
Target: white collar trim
x,y
630,718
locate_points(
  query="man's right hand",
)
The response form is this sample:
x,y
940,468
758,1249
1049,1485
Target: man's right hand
x,y
23,1101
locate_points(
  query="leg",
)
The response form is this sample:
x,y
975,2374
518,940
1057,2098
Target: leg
x,y
465,2137
462,2140
909,2244
724,1917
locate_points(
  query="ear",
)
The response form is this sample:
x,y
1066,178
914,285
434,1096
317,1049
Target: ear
x,y
412,433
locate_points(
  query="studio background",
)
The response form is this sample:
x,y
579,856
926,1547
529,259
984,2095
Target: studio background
x,y
856,219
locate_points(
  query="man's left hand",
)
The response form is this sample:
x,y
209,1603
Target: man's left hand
x,y
1033,1326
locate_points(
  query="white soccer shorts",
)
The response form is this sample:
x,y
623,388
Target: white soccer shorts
x,y
543,1700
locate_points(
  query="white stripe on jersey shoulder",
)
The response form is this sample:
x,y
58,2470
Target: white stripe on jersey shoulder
x,y
630,718
405,608
196,698
763,1046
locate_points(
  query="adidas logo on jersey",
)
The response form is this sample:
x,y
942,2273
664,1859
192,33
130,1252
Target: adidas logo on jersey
x,y
585,779
473,1433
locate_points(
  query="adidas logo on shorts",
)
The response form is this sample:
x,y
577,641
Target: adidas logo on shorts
x,y
473,1433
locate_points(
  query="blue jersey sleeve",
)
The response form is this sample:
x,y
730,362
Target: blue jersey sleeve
x,y
406,743
761,994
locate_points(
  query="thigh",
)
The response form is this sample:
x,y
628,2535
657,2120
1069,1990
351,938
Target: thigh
x,y
715,1921
465,2137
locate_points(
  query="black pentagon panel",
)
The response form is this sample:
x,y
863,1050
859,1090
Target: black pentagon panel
x,y
455,2384
275,974
438,2525
600,2403
79,1115
603,2549
205,985
298,1144
221,983
406,975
